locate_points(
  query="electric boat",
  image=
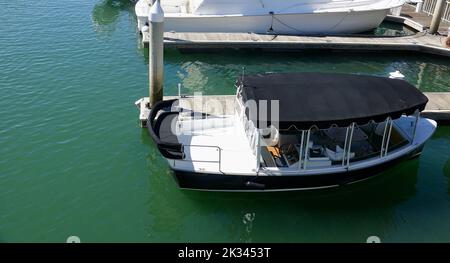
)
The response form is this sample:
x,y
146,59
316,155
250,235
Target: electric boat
x,y
293,131
293,17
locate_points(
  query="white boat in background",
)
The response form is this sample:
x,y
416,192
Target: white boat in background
x,y
292,17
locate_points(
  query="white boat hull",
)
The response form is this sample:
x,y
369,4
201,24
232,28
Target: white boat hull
x,y
287,24
291,17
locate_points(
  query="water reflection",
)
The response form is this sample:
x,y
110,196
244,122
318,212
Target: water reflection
x,y
441,141
215,73
247,220
447,173
393,30
168,216
349,214
105,14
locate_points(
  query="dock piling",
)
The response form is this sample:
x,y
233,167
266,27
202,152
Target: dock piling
x,y
156,53
437,16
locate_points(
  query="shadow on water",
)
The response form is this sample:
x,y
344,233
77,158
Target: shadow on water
x,y
105,14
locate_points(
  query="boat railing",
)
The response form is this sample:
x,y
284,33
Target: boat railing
x,y
428,7
346,161
185,159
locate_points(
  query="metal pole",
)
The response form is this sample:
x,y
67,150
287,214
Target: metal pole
x,y
349,146
419,6
415,127
345,146
258,150
300,155
384,136
306,150
437,16
391,122
156,53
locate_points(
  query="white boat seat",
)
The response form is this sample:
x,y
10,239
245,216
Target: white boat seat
x,y
337,155
379,130
338,134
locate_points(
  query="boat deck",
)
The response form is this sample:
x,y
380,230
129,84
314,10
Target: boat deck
x,y
230,154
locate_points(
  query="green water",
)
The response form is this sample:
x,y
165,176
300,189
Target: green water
x,y
393,29
73,160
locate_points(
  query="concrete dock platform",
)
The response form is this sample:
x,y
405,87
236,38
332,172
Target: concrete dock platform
x,y
420,42
438,107
408,11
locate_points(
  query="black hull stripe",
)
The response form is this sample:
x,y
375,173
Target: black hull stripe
x,y
218,182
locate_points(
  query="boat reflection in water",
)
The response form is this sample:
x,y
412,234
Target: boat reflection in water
x,y
348,214
105,14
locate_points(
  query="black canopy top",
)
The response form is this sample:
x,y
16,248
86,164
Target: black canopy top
x,y
323,99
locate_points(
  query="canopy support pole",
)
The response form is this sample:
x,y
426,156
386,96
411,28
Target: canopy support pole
x,y
388,139
350,143
415,126
384,137
345,146
300,154
305,162
258,150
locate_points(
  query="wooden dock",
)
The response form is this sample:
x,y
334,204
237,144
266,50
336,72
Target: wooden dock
x,y
438,107
424,19
421,42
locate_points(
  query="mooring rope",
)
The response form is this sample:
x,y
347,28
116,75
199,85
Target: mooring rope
x,y
274,17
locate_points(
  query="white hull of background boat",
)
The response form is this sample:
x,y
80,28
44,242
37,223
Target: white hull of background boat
x,y
289,24
321,18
